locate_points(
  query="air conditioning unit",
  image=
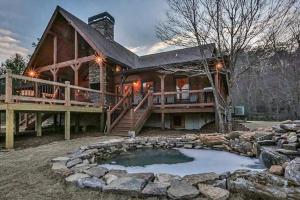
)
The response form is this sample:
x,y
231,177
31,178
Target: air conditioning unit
x,y
239,111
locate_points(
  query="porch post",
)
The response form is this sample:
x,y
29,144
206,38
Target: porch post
x,y
9,139
217,92
67,125
162,100
38,124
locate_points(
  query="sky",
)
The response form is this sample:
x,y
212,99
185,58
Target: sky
x,y
22,21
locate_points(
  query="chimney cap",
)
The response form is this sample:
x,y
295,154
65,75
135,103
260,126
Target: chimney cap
x,y
101,16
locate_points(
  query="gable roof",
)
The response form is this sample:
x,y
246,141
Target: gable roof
x,y
119,53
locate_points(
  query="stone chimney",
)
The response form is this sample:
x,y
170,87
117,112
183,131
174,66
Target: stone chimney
x,y
104,24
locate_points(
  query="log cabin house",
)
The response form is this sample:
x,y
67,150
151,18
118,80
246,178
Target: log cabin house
x,y
80,72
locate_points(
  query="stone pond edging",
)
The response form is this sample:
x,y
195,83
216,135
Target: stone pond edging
x,y
79,167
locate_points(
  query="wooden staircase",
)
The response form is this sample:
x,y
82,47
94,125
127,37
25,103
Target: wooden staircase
x,y
27,121
124,125
130,118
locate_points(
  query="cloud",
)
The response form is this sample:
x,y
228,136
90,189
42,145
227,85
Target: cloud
x,y
9,45
151,49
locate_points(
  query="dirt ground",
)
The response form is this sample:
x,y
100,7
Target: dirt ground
x,y
26,174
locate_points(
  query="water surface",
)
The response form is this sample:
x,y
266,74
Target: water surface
x,y
180,161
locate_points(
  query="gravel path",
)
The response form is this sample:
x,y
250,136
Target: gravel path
x,y
25,174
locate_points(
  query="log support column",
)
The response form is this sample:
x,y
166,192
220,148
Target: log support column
x,y
162,100
67,125
38,124
9,139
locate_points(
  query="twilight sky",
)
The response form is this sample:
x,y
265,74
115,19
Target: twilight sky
x,y
22,21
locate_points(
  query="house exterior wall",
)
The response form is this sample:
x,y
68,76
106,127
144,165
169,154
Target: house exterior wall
x,y
192,121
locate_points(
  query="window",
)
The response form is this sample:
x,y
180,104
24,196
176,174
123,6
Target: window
x,y
95,86
178,121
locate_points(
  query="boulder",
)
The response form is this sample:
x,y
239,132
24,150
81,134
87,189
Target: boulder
x,y
60,168
262,185
270,157
195,179
146,176
266,142
291,146
212,139
292,137
182,190
288,152
72,163
155,189
213,193
113,175
96,171
93,182
292,170
289,127
126,185
278,129
166,179
276,169
75,177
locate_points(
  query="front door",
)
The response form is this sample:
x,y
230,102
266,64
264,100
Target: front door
x,y
182,86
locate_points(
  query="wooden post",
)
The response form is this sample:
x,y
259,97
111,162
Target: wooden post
x,y
76,45
217,84
150,99
17,123
9,139
162,90
55,50
8,87
163,121
38,124
132,117
67,94
108,122
67,125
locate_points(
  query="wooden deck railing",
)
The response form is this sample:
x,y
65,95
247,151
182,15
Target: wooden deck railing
x,y
22,89
194,98
141,112
115,113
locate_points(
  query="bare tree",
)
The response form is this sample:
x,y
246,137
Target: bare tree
x,y
233,25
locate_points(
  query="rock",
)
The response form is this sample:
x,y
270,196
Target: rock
x,y
262,185
233,135
271,157
247,136
73,162
278,129
155,189
195,179
127,185
291,146
288,152
75,177
220,184
276,169
260,135
289,127
80,167
113,175
292,137
93,182
212,139
182,190
60,159
284,165
292,170
60,168
166,179
146,176
266,142
213,193
96,171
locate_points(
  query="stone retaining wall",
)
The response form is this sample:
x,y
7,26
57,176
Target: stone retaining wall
x,y
79,167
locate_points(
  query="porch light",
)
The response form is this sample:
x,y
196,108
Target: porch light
x,y
219,66
32,73
99,59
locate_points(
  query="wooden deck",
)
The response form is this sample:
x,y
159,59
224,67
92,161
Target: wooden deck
x,y
21,94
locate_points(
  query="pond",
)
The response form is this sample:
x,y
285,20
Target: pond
x,y
180,161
